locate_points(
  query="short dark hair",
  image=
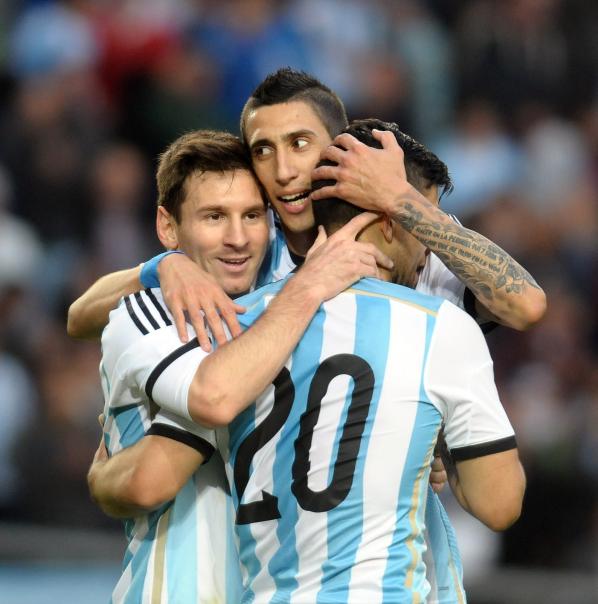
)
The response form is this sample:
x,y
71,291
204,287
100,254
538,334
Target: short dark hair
x,y
287,85
195,153
423,169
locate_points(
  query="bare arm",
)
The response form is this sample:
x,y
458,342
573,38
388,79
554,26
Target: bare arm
x,y
88,314
257,356
141,477
490,488
186,288
375,179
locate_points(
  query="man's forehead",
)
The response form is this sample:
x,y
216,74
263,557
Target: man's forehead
x,y
279,121
211,187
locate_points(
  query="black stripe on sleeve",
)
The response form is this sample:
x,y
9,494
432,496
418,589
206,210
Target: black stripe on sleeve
x,y
165,362
473,451
134,317
469,303
159,307
187,438
146,311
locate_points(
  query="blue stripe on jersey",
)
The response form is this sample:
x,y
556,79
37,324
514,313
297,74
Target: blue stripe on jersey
x,y
345,522
129,423
139,567
405,570
242,425
238,430
271,260
443,545
284,564
443,541
399,292
181,546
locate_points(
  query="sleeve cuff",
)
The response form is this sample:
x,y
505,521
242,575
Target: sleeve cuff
x,y
482,449
187,438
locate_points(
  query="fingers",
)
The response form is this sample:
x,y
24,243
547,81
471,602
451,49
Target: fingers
x,y
387,138
180,324
347,141
101,419
325,173
197,320
333,153
325,193
214,322
319,242
355,226
229,316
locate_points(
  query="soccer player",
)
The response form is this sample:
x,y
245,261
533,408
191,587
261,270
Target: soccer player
x,y
210,207
350,423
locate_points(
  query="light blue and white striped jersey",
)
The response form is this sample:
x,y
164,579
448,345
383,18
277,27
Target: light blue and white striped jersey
x,y
329,469
445,572
277,262
184,551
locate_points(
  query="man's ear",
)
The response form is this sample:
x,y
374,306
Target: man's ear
x,y
166,228
386,226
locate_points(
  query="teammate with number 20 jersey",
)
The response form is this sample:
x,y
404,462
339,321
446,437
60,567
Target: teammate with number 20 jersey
x,y
329,468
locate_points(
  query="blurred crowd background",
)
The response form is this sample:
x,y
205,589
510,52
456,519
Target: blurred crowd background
x,y
504,91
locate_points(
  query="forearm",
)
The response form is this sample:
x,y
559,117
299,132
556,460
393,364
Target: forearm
x,y
501,285
142,477
110,486
254,359
88,315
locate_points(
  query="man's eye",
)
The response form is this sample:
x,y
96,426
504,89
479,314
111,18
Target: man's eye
x,y
253,216
262,151
215,217
300,143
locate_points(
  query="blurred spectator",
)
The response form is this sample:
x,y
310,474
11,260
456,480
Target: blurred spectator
x,y
418,40
247,39
120,189
483,160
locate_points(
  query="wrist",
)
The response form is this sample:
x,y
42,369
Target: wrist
x,y
149,270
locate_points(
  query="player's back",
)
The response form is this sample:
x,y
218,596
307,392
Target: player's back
x,y
330,467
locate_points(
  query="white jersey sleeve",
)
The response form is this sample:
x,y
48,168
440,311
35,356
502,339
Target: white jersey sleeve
x,y
437,280
144,360
184,430
459,380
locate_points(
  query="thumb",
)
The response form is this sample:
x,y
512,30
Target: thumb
x,y
320,240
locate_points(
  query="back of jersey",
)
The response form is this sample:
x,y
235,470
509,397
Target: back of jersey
x,y
330,467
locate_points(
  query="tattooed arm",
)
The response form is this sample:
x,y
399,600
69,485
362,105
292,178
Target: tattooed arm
x,y
505,292
375,179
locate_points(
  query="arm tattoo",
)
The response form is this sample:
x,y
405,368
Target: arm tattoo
x,y
480,264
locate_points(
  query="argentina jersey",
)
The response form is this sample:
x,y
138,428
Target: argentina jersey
x,y
278,261
329,470
184,551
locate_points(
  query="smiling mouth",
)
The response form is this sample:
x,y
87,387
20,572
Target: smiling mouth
x,y
294,200
234,261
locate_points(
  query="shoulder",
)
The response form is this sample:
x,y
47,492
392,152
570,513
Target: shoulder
x,y
398,294
141,322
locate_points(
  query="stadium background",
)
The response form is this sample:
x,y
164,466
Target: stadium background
x,y
505,92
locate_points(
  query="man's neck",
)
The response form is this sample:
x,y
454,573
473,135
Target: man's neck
x,y
299,242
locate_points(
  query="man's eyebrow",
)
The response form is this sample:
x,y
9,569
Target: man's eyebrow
x,y
262,142
224,208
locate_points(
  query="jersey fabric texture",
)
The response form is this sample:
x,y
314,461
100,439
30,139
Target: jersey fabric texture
x,y
329,469
184,551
